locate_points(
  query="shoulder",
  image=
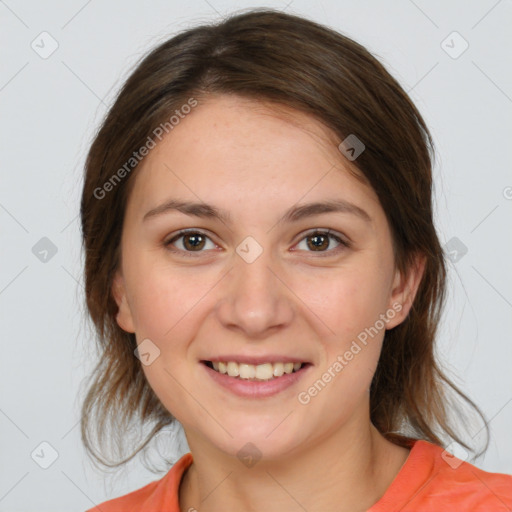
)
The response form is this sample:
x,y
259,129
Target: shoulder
x,y
129,502
156,496
432,479
461,485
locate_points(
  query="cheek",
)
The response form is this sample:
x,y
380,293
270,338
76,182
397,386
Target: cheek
x,y
163,300
163,380
348,301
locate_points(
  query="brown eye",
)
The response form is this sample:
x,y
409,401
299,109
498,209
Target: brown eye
x,y
320,241
189,241
193,241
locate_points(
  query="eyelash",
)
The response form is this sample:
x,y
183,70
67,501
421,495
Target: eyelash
x,y
344,244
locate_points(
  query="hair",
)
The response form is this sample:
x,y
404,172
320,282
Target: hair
x,y
269,56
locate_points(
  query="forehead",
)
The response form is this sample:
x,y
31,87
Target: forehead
x,y
235,150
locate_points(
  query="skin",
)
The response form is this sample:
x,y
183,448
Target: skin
x,y
256,162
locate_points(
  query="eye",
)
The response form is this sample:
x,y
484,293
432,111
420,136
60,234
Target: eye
x,y
320,240
191,241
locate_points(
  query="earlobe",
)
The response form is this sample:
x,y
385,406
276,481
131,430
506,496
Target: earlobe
x,y
405,289
124,315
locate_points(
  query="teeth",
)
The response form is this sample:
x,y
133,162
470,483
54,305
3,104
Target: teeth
x,y
278,369
247,371
264,371
233,370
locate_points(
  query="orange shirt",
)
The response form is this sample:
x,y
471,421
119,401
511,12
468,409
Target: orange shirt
x,y
425,483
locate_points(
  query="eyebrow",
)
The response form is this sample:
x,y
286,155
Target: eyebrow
x,y
294,214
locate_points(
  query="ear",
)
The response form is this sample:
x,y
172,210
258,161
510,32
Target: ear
x,y
124,316
404,290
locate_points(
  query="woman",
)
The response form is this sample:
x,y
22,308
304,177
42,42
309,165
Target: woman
x,y
262,266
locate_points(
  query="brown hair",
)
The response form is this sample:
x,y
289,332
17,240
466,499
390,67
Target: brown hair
x,y
270,56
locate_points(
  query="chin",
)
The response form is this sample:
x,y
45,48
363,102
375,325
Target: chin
x,y
251,442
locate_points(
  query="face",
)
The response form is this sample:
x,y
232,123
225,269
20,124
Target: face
x,y
258,278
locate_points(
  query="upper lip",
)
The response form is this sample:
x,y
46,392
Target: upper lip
x,y
255,360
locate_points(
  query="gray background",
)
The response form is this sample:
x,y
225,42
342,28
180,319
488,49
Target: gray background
x,y
50,108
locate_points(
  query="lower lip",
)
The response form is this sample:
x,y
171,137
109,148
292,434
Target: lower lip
x,y
256,389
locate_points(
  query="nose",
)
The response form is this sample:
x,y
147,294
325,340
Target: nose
x,y
255,298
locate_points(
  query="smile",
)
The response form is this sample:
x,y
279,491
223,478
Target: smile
x,y
265,371
255,381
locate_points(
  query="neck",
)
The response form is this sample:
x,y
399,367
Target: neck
x,y
348,470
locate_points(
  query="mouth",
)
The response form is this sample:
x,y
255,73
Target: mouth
x,y
256,373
